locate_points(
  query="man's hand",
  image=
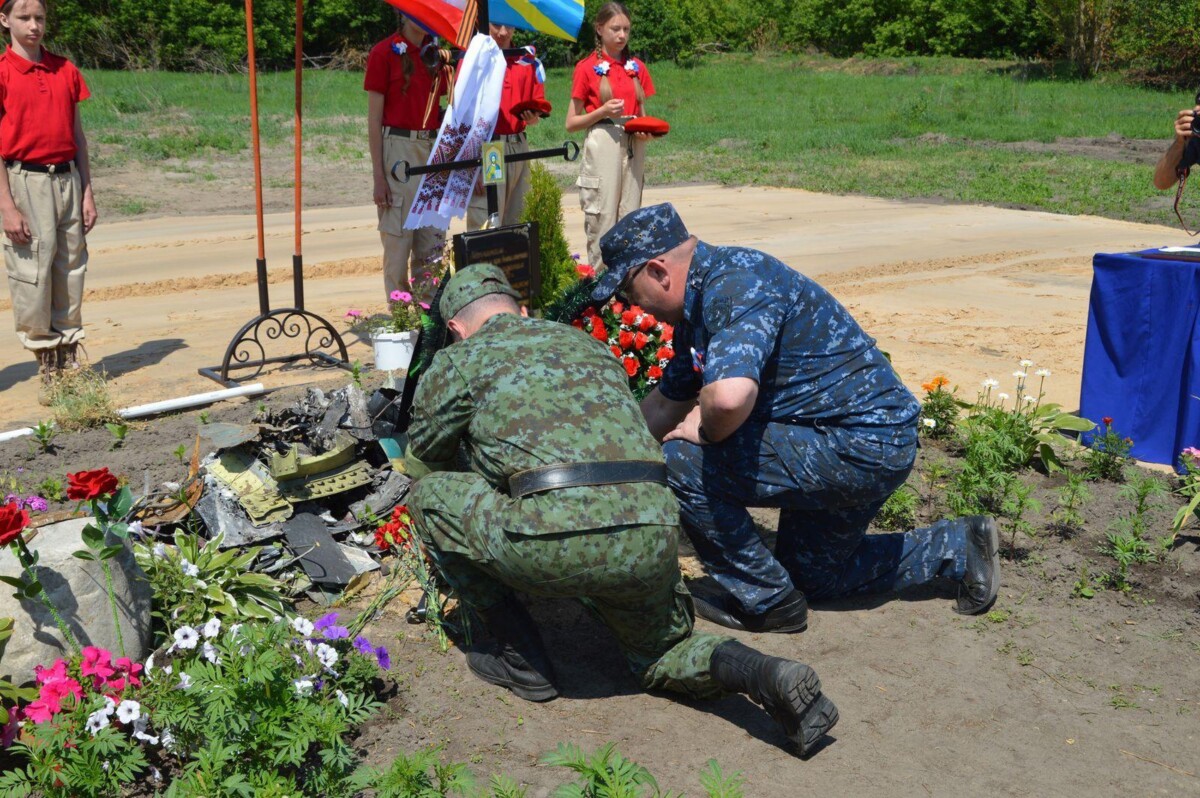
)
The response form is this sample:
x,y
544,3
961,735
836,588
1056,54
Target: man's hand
x,y
688,429
1183,123
642,136
530,118
383,192
90,216
15,226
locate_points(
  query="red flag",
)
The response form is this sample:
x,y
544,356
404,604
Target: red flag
x,y
453,20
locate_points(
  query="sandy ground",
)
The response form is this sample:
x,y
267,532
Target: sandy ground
x,y
961,290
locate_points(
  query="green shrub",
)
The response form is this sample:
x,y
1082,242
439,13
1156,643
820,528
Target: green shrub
x,y
543,204
899,512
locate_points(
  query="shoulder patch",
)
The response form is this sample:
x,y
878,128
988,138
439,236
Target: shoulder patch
x,y
717,312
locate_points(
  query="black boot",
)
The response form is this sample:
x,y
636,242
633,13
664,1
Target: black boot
x,y
979,587
789,691
789,615
516,659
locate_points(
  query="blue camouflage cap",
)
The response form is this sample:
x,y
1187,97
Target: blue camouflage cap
x,y
640,236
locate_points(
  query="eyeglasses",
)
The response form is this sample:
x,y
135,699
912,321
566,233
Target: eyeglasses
x,y
623,288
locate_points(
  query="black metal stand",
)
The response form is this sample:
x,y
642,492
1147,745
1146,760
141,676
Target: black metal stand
x,y
569,152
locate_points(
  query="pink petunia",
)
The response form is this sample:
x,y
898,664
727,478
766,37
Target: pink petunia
x,y
395,295
401,296
56,671
96,662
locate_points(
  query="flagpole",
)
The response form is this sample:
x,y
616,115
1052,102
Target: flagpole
x,y
264,303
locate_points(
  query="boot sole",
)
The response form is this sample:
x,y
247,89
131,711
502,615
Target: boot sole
x,y
709,612
993,554
524,691
807,715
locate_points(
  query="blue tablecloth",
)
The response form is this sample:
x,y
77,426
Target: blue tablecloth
x,y
1141,362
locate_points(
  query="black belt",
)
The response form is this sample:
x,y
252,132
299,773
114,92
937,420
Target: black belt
x,y
44,168
509,137
574,475
411,134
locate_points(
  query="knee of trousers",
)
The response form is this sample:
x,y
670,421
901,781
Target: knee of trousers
x,y
685,468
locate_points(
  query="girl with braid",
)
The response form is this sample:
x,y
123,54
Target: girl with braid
x,y
610,86
403,115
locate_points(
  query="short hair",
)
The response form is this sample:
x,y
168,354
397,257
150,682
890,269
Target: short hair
x,y
488,304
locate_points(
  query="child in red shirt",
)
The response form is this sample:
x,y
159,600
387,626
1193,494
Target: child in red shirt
x,y
46,202
521,83
609,87
402,123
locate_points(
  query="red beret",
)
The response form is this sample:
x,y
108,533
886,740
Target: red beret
x,y
540,106
648,124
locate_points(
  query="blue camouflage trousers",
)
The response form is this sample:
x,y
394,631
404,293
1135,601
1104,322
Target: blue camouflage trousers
x,y
828,483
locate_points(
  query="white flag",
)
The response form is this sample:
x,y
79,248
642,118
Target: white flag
x,y
469,123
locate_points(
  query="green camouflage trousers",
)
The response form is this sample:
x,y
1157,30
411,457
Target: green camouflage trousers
x,y
629,576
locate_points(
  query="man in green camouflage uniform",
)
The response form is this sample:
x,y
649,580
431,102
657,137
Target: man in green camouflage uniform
x,y
536,400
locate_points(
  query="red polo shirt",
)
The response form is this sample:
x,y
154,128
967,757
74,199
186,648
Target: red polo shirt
x,y
586,85
404,108
39,101
520,84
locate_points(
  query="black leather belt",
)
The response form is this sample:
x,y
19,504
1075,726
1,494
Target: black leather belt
x,y
509,137
410,134
44,168
574,475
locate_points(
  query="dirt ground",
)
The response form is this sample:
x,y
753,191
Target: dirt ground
x,y
1052,696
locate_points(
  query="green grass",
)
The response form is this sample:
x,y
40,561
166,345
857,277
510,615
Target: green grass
x,y
913,128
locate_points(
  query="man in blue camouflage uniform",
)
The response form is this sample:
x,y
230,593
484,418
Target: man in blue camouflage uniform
x,y
777,398
566,496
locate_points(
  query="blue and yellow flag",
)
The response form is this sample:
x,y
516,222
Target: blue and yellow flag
x,y
558,18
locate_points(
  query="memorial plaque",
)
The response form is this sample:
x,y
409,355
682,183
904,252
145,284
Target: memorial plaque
x,y
513,248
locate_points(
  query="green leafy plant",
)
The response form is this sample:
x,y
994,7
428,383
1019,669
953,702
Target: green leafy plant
x,y
192,580
52,489
603,773
1067,519
118,431
1013,508
180,452
80,399
543,204
939,410
1036,428
202,416
1083,585
899,512
422,774
356,373
108,512
1108,454
10,693
44,433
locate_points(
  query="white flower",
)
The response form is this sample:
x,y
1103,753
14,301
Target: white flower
x,y
233,630
1025,364
155,773
140,733
136,528
149,664
990,383
185,681
96,721
1028,399
1002,396
110,706
159,550
309,646
212,628
168,739
341,697
1043,373
167,669
210,653
929,422
326,655
188,568
129,711
303,687
1020,375
302,625
186,637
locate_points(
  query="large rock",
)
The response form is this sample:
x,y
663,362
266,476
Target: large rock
x,y
77,590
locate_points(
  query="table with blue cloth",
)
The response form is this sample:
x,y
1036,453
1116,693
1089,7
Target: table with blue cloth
x,y
1141,362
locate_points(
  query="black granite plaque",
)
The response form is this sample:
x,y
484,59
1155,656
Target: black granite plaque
x,y
514,249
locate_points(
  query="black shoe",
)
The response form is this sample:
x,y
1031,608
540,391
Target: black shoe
x,y
789,691
789,615
978,590
516,658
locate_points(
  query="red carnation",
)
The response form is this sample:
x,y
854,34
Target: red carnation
x,y
618,308
664,353
639,341
584,271
668,334
628,318
87,485
13,521
1107,420
654,373
631,366
647,323
625,339
598,331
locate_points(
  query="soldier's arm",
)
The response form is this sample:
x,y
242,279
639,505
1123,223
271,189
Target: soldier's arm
x,y
442,411
663,414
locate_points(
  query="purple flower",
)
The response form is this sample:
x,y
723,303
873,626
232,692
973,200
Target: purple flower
x,y
401,296
363,646
326,626
383,658
424,305
395,295
353,313
36,503
575,256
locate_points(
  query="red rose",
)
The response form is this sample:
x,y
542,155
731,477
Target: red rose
x,y
668,334
616,350
598,331
1107,420
13,521
625,339
628,318
639,341
589,312
87,485
647,323
664,353
654,373
584,271
631,366
618,308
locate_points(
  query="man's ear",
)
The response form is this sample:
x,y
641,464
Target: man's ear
x,y
659,273
457,329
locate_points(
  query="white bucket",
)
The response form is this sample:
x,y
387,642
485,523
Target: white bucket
x,y
394,351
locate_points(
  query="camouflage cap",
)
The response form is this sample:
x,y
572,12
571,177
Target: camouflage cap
x,y
471,283
640,236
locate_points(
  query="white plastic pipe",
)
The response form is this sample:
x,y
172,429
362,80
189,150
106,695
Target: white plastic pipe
x,y
195,400
15,433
